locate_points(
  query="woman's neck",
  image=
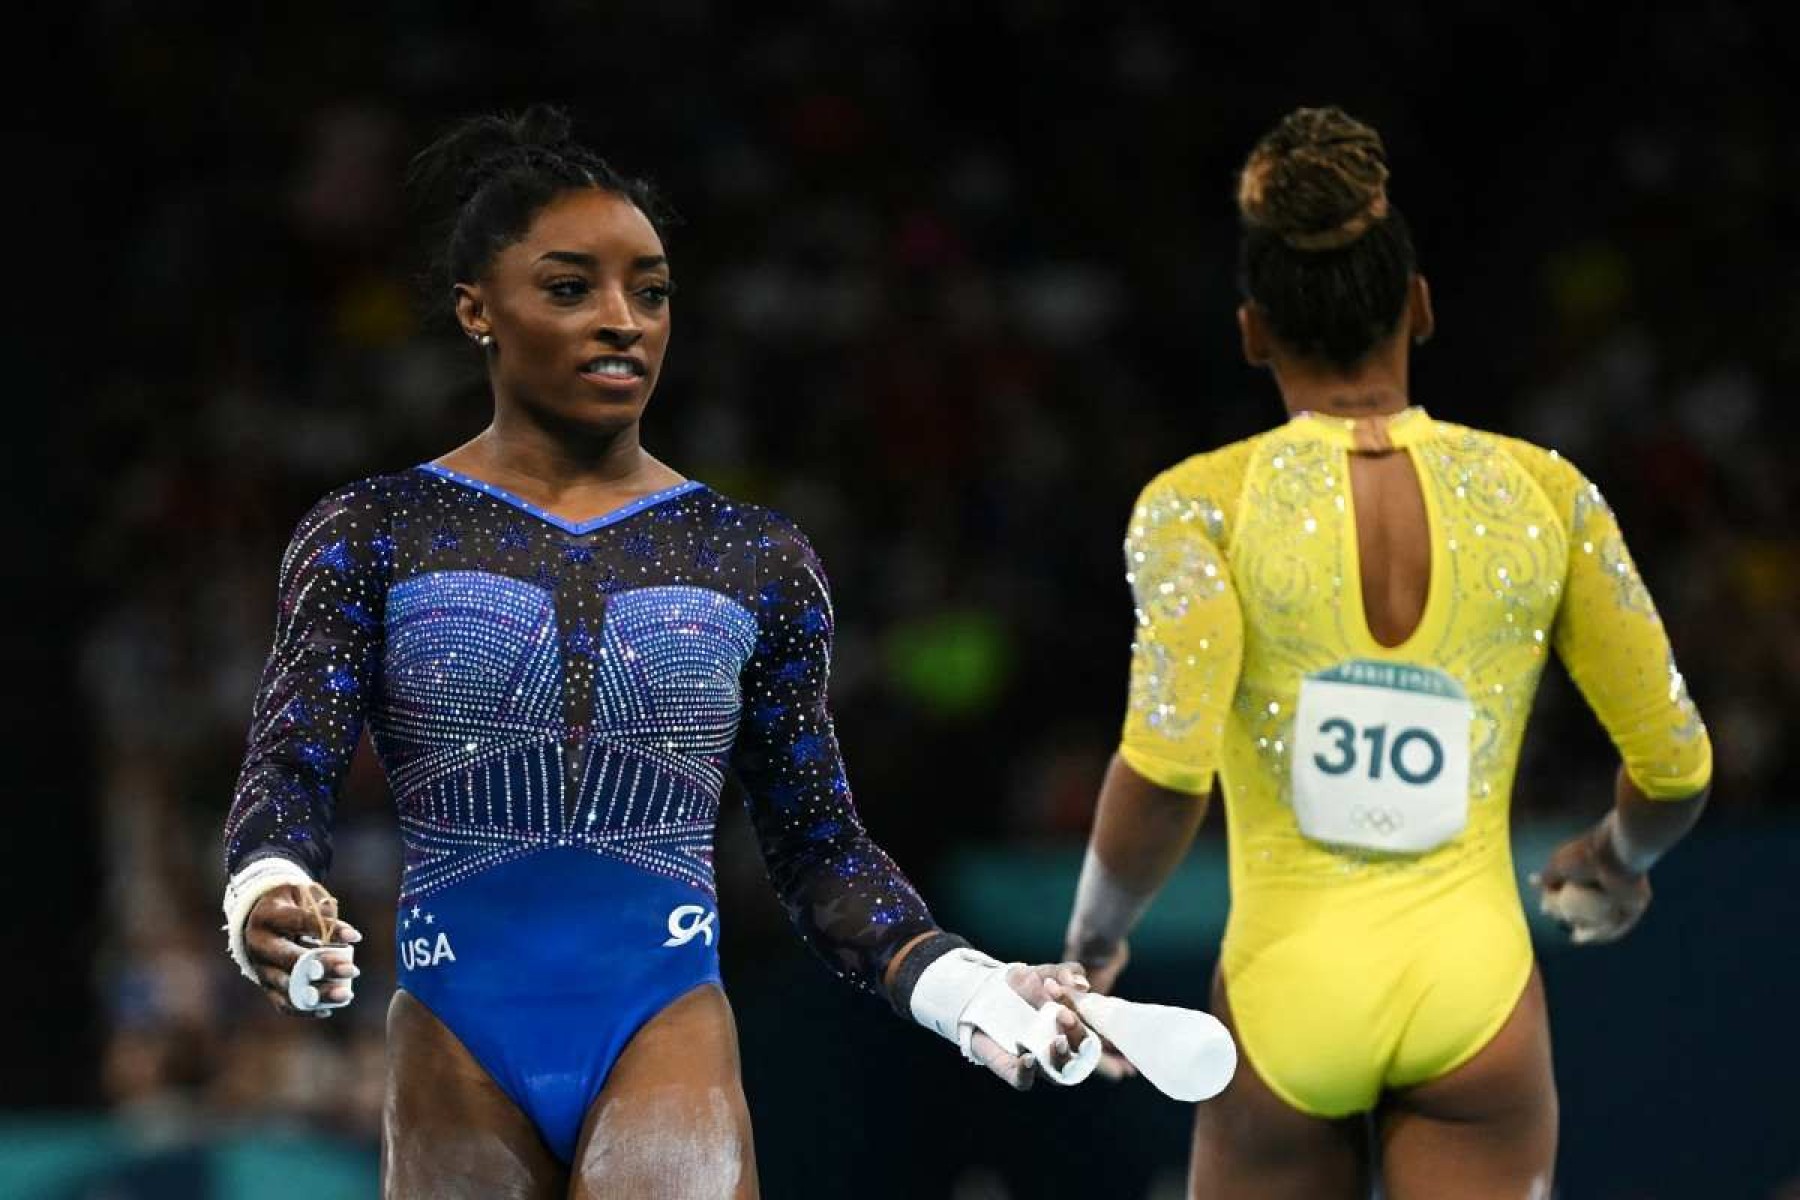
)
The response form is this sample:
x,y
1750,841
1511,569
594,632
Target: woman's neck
x,y
1350,403
1375,387
558,468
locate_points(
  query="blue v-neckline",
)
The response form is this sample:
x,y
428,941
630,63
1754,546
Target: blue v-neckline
x,y
576,528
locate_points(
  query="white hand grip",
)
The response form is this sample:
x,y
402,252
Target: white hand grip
x,y
1043,1032
1582,908
1186,1054
309,969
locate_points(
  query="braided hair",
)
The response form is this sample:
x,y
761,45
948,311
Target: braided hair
x,y
1325,256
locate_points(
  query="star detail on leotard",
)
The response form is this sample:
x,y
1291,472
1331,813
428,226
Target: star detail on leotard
x,y
359,616
336,556
583,640
809,748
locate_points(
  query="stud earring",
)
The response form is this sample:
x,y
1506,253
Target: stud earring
x,y
484,340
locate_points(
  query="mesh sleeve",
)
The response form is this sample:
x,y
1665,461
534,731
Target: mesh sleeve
x,y
846,897
317,685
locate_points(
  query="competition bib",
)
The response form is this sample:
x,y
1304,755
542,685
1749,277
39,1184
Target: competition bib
x,y
1381,757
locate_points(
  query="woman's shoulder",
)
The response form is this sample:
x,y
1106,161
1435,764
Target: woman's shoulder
x,y
732,515
775,539
1206,466
1203,486
360,509
1549,468
1471,438
372,493
1567,492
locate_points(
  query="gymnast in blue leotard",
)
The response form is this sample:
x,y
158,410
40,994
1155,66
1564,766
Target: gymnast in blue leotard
x,y
561,648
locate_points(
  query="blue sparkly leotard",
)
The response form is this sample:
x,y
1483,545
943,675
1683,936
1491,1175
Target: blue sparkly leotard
x,y
556,707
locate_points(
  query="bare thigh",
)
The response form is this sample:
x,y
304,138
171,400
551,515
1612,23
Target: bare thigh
x,y
447,1130
1488,1128
1250,1144
671,1122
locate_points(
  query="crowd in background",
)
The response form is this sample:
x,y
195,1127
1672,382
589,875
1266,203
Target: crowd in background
x,y
951,288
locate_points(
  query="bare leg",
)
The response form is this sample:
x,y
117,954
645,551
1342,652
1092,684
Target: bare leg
x,y
1250,1144
671,1122
1488,1128
447,1130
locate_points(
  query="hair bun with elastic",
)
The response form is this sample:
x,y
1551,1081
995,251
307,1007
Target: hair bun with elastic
x,y
1318,180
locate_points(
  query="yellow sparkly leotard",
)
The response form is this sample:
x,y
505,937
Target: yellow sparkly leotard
x,y
1376,938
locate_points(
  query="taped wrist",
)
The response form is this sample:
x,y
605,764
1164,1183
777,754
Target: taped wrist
x,y
964,991
1633,858
900,992
1105,912
942,993
243,890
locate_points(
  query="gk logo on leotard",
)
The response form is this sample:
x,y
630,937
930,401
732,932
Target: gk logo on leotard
x,y
688,922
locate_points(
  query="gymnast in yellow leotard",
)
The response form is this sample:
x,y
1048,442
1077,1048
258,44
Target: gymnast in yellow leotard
x,y
1344,620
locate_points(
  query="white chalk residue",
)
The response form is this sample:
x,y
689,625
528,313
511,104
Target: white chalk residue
x,y
668,1144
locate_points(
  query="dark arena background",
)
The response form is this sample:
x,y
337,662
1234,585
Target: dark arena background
x,y
955,281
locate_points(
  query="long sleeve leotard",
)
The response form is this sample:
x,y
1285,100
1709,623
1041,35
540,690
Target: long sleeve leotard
x,y
556,707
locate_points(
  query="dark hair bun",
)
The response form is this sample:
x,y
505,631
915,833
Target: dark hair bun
x,y
1318,180
489,176
453,168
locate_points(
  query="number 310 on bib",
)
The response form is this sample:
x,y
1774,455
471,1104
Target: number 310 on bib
x,y
1381,757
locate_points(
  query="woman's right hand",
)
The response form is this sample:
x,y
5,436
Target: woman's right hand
x,y
1103,969
1038,985
272,933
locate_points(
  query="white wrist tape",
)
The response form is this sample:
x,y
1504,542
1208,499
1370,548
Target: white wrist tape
x,y
1105,910
1636,859
947,986
965,991
243,890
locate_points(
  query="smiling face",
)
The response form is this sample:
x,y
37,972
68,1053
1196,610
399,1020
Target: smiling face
x,y
578,310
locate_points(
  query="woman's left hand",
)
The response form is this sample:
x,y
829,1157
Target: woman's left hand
x,y
1611,898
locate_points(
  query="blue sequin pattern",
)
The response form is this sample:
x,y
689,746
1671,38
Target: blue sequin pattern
x,y
531,684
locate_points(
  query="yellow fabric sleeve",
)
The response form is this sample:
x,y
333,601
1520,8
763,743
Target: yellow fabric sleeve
x,y
1189,641
1613,644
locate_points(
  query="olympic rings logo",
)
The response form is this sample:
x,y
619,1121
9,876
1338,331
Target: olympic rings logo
x,y
1377,820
